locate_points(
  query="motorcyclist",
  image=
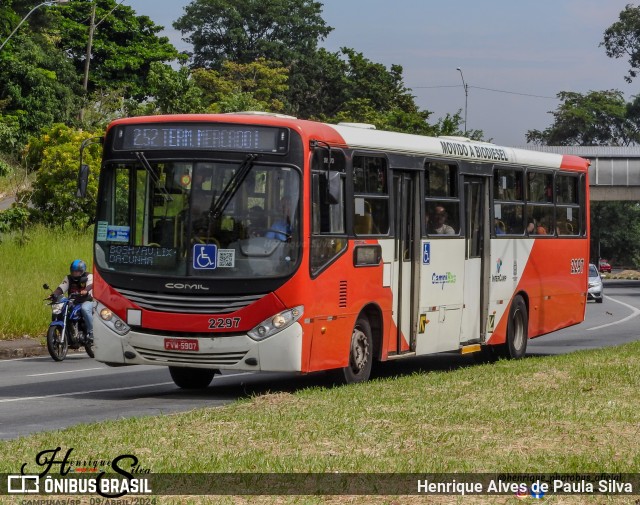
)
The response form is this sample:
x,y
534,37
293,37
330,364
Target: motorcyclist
x,y
79,283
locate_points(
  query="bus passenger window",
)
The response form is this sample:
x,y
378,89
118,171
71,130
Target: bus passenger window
x,y
507,184
540,187
327,219
371,196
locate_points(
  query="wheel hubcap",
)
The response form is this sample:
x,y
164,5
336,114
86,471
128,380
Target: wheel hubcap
x,y
518,330
359,350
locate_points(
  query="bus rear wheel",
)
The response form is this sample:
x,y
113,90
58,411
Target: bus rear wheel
x,y
360,355
191,378
517,334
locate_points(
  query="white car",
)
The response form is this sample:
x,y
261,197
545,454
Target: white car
x,y
595,284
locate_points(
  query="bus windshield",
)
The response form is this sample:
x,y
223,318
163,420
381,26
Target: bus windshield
x,y
199,219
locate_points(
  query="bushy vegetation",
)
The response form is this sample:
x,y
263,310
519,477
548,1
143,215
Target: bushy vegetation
x,y
28,261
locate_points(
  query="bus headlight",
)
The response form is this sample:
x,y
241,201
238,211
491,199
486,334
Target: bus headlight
x,y
112,321
276,323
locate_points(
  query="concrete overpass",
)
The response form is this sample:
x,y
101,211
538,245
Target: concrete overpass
x,y
614,173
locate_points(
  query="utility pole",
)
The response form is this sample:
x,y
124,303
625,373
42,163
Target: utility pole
x,y
87,61
466,98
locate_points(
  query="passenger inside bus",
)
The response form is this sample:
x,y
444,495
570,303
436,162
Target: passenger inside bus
x,y
280,229
535,228
257,225
438,224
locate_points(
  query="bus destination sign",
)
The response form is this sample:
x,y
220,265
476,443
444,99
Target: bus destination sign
x,y
205,136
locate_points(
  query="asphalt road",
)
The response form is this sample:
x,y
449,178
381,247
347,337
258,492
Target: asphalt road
x,y
6,202
37,394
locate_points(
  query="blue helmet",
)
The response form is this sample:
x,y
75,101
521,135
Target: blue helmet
x,y
78,266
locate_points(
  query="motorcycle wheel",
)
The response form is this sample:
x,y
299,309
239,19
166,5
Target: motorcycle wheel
x,y
88,346
56,344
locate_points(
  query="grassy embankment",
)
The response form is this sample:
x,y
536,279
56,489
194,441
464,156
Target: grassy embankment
x,y
572,413
45,258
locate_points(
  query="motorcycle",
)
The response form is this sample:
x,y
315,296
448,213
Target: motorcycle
x,y
67,329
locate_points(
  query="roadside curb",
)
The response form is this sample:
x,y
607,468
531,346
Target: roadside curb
x,y
21,348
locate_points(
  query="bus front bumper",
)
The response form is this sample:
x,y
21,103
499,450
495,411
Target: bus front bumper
x,y
281,352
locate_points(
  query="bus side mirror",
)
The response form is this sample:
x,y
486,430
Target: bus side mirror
x,y
333,187
83,180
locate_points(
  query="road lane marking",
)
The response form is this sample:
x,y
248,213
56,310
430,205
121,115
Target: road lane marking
x,y
634,313
6,400
68,371
47,358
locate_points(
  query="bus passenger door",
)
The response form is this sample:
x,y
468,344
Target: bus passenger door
x,y
405,274
476,281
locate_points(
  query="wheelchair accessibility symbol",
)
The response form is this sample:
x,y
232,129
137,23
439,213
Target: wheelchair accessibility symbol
x,y
204,256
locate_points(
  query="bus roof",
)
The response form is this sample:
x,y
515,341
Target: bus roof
x,y
454,148
356,136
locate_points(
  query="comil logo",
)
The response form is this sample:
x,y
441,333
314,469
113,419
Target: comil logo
x,y
23,484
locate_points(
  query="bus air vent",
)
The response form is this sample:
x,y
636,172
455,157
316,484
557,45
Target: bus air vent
x,y
342,298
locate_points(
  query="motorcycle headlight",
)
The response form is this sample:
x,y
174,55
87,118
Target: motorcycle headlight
x,y
277,323
56,308
112,321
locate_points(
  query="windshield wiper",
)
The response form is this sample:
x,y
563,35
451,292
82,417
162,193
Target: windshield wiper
x,y
218,206
145,163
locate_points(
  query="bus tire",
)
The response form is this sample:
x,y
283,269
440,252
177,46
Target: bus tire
x,y
517,334
360,355
191,378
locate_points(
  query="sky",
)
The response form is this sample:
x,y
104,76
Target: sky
x,y
515,55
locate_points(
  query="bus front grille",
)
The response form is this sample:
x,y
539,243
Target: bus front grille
x,y
189,304
172,357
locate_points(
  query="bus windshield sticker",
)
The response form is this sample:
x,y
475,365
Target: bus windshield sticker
x,y
101,231
226,258
118,233
205,256
142,255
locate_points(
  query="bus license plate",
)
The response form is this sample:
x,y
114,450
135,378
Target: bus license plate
x,y
181,344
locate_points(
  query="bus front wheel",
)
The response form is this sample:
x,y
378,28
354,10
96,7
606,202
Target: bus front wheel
x,y
360,355
191,378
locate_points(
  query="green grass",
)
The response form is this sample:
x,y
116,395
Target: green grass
x,y
24,268
571,413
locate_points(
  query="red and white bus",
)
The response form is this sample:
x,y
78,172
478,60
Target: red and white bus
x,y
262,242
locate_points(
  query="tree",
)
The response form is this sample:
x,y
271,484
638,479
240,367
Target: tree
x,y
596,119
174,91
53,195
123,48
620,243
38,84
259,85
317,85
622,39
245,30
